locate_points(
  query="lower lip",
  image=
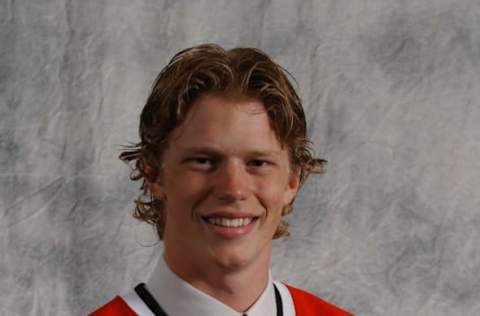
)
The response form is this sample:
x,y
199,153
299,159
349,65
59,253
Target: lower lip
x,y
232,232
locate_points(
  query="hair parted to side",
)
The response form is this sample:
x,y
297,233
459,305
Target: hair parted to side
x,y
205,69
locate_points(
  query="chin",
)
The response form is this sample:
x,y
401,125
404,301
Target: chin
x,y
232,262
232,259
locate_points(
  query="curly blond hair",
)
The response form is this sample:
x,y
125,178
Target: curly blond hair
x,y
209,68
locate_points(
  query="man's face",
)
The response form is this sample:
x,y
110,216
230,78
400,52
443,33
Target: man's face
x,y
224,183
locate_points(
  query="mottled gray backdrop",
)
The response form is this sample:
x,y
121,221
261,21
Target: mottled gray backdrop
x,y
391,90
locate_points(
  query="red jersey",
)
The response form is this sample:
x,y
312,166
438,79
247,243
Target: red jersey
x,y
305,304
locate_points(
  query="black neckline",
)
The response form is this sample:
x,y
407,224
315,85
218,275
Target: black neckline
x,y
149,300
153,305
278,300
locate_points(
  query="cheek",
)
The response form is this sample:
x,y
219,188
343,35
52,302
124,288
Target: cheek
x,y
184,191
272,194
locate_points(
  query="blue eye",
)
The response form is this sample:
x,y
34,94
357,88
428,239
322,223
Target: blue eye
x,y
258,163
203,161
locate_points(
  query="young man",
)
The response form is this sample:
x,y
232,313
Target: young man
x,y
223,152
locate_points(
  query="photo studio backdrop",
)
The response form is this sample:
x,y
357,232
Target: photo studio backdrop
x,y
391,90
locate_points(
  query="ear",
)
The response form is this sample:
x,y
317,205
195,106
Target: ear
x,y
293,184
157,189
154,183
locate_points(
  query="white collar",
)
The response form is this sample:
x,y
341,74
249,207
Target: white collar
x,y
178,298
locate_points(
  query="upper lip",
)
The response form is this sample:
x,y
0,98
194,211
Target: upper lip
x,y
228,214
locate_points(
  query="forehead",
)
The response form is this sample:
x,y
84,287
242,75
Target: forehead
x,y
228,123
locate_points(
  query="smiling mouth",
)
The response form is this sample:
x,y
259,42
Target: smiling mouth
x,y
228,227
230,222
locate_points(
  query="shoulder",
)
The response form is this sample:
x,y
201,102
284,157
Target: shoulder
x,y
116,307
129,304
308,304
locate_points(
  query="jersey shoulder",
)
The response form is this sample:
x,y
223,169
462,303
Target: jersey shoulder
x,y
116,307
307,304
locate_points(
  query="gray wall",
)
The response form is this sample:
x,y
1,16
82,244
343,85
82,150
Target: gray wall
x,y
391,90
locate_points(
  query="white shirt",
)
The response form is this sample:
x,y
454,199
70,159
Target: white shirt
x,y
179,298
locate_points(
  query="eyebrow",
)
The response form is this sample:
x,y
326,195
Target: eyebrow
x,y
215,152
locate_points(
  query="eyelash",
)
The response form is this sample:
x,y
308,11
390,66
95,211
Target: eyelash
x,y
204,159
263,162
211,161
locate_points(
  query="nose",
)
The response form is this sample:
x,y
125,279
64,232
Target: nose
x,y
231,183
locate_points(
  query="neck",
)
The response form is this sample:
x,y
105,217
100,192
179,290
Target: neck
x,y
238,287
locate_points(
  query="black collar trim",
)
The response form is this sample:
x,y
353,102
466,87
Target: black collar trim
x,y
153,305
149,300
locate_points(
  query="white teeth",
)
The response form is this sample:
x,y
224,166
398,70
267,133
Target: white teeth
x,y
230,222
